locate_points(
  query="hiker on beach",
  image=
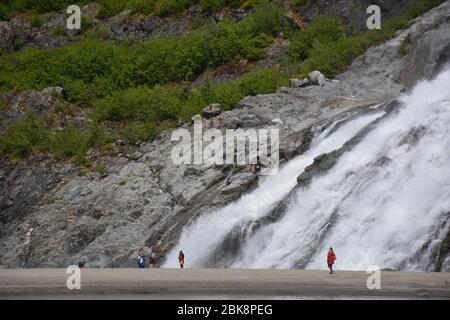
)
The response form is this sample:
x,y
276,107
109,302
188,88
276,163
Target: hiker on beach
x,y
151,261
81,263
331,258
141,261
181,259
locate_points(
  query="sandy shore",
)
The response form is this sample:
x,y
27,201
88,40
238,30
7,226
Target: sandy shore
x,y
217,284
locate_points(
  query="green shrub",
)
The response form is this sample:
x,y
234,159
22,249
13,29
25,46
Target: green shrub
x,y
101,33
142,6
111,7
20,139
256,47
140,131
4,12
298,3
101,168
141,104
215,5
332,59
228,94
418,7
211,5
59,31
169,7
152,106
261,82
222,44
86,23
42,6
98,136
72,142
325,30
402,48
69,142
35,20
264,19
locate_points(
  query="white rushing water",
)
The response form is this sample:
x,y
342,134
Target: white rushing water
x,y
201,238
380,203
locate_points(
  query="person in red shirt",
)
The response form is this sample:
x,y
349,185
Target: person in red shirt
x,y
181,259
331,258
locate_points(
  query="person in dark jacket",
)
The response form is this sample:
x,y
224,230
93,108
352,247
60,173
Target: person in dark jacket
x,y
181,259
141,260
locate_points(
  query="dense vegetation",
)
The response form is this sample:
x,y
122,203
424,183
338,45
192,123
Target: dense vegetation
x,y
113,7
92,68
325,45
144,87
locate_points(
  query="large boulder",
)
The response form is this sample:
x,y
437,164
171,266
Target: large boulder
x,y
316,78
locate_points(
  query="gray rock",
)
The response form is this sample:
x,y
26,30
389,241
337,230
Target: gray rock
x,y
240,183
53,91
305,82
18,104
6,36
317,78
294,83
278,121
428,55
212,110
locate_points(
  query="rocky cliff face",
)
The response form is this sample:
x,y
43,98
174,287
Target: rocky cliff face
x,y
352,12
51,216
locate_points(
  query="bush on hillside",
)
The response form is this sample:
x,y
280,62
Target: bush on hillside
x,y
323,31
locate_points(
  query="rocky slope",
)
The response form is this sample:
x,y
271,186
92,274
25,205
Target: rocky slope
x,y
352,12
51,216
51,32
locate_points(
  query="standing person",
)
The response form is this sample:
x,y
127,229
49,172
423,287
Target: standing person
x,y
141,261
181,259
331,258
81,263
151,261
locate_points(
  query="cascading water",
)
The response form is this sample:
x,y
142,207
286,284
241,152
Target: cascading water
x,y
215,226
385,202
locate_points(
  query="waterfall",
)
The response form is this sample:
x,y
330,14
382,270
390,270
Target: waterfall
x,y
385,201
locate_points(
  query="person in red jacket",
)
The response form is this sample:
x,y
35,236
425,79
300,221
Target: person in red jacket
x,y
181,259
331,258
